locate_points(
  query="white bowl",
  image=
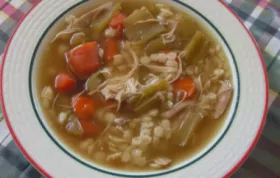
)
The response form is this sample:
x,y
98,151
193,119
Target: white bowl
x,y
37,141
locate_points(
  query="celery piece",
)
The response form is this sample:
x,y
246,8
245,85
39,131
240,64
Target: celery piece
x,y
147,104
94,81
102,20
149,91
193,47
141,26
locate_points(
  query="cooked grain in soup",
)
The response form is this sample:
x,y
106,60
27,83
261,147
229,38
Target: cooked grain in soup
x,y
128,85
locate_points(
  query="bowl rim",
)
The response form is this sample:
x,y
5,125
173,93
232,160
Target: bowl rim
x,y
37,166
213,142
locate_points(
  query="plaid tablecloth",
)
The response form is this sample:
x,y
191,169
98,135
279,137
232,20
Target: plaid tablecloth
x,y
261,17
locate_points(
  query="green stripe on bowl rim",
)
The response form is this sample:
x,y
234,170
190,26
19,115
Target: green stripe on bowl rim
x,y
128,175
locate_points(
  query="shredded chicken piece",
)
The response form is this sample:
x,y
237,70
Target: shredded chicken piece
x,y
106,129
120,87
176,109
47,96
79,94
66,32
54,101
131,85
179,97
91,14
160,69
120,121
76,23
199,86
146,21
107,72
166,13
224,97
75,39
225,86
119,98
179,73
114,156
168,72
120,80
64,106
170,37
70,19
160,162
136,64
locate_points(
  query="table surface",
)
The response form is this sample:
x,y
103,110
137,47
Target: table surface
x,y
261,17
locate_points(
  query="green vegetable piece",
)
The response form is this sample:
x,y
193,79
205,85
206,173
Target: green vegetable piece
x,y
183,129
193,48
102,20
141,26
203,50
181,32
182,36
94,81
86,20
157,45
149,91
147,105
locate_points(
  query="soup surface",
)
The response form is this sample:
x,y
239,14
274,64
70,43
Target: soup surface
x,y
127,85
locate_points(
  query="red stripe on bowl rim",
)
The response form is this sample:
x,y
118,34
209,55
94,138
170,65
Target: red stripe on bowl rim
x,y
255,140
17,141
41,170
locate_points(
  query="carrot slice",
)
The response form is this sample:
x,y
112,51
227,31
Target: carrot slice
x,y
64,82
84,59
117,24
101,102
110,49
186,85
119,30
90,128
84,107
117,20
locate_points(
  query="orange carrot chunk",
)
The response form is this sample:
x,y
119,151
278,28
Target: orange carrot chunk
x,y
110,49
84,59
119,30
64,82
101,102
187,85
84,108
90,128
117,20
117,24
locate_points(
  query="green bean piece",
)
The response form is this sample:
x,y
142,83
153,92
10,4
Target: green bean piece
x,y
94,81
147,105
156,45
184,128
181,32
139,31
100,23
193,46
149,91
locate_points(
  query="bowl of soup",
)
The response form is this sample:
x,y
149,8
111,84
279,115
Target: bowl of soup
x,y
133,89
